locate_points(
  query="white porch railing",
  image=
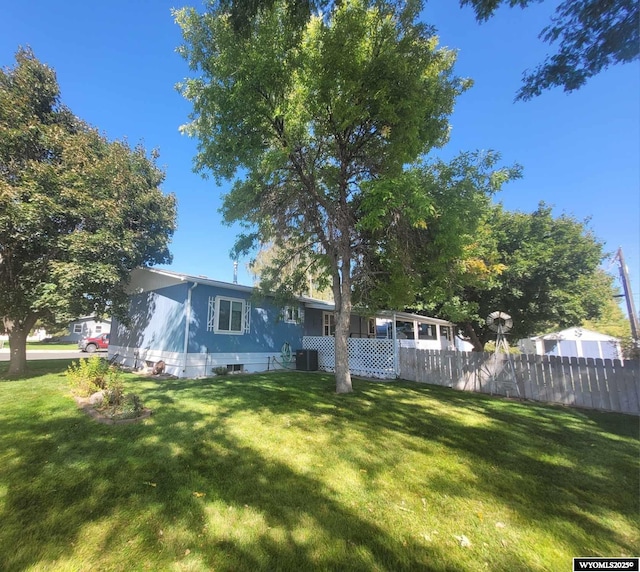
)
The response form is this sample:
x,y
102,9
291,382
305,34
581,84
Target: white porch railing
x,y
368,357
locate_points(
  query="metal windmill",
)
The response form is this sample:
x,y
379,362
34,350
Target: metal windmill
x,y
501,323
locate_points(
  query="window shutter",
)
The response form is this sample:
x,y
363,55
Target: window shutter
x,y
211,315
247,317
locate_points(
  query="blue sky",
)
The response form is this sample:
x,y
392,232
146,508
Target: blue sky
x,y
117,67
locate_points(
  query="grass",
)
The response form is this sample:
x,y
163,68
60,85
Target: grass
x,y
43,346
277,472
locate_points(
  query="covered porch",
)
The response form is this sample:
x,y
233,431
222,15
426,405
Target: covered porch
x,y
374,342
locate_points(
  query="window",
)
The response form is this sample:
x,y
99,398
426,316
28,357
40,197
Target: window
x,y
77,328
427,332
445,332
328,324
228,316
292,314
371,327
98,329
404,330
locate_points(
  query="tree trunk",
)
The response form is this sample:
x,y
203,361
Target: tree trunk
x,y
343,375
18,331
18,351
342,297
478,346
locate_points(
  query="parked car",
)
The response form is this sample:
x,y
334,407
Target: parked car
x,y
91,345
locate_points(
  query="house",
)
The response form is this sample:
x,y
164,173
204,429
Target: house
x,y
196,325
85,327
573,342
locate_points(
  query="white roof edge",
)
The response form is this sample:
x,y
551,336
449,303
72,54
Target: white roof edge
x,y
200,280
308,302
409,316
559,335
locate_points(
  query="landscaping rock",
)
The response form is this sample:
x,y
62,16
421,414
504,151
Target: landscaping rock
x,y
96,398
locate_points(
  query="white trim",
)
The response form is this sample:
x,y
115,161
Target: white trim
x,y
293,314
211,314
197,365
246,311
243,318
188,323
332,319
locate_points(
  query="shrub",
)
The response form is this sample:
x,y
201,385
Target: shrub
x,y
114,389
131,407
94,374
87,376
221,370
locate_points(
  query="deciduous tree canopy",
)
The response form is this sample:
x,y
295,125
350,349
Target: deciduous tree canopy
x,y
591,35
320,117
548,277
77,212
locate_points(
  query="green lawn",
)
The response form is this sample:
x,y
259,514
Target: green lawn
x,y
277,472
40,346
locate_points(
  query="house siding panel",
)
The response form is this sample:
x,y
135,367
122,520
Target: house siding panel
x,y
157,320
268,332
158,326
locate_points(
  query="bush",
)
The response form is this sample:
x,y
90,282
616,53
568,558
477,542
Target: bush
x,y
491,348
221,370
94,374
131,407
87,376
114,389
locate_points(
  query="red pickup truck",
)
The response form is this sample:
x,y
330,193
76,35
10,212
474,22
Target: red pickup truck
x,y
90,345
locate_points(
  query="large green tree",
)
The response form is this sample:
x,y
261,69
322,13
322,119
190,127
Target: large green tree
x,y
548,277
448,248
591,35
317,115
77,212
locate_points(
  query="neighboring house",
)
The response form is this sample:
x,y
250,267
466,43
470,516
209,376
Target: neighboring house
x,y
85,327
573,342
195,325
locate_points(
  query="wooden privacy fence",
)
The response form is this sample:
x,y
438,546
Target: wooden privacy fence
x,y
607,385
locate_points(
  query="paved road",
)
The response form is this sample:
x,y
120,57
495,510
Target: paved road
x,y
50,354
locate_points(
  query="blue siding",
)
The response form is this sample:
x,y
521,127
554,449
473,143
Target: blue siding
x,y
157,320
268,331
158,323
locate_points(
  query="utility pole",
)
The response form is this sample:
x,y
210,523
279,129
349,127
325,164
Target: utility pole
x,y
626,286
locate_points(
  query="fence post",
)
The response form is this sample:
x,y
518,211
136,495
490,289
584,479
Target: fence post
x,y
623,387
632,375
598,384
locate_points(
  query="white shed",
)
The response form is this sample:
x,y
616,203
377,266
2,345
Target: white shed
x,y
573,342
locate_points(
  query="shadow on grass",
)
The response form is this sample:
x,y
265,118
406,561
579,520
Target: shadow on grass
x,y
71,473
66,473
549,464
36,368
